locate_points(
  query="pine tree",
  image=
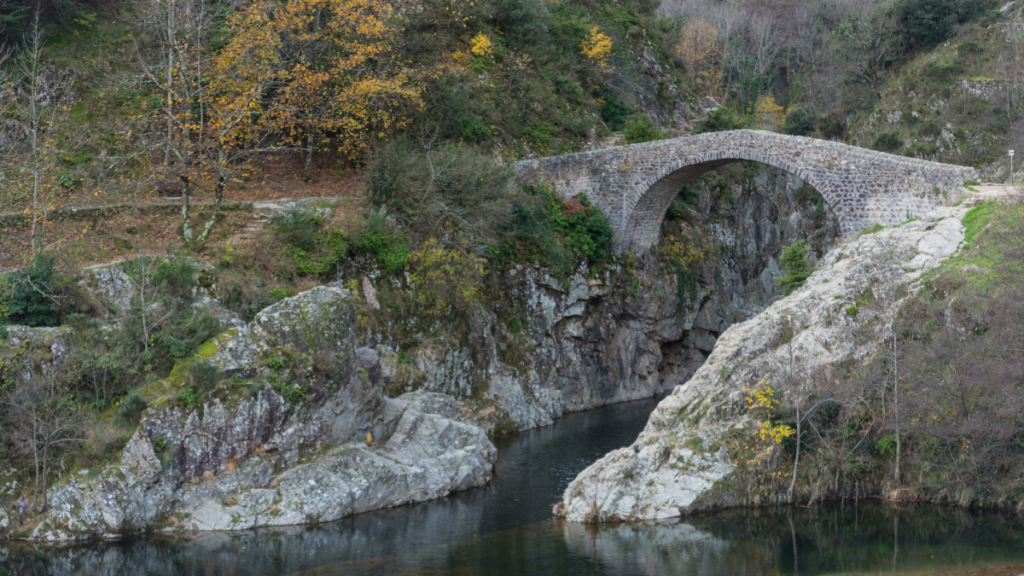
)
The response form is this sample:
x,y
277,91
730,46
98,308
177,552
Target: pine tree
x,y
796,265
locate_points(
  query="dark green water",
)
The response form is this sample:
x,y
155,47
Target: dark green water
x,y
507,529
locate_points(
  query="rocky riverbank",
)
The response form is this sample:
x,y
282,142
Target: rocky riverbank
x,y
308,413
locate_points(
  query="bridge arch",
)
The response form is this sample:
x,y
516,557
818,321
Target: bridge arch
x,y
646,210
635,184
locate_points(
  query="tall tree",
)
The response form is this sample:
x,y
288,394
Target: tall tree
x,y
700,51
337,68
41,105
890,290
215,120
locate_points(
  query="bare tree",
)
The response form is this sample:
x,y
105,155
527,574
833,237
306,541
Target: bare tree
x,y
213,125
149,307
6,98
806,389
1011,63
41,106
890,255
43,416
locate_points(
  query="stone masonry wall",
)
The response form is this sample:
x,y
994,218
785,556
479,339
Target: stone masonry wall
x,y
635,184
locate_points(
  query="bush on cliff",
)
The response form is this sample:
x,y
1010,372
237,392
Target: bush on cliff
x,y
445,281
640,128
719,120
380,237
800,121
29,296
450,193
796,265
929,22
547,230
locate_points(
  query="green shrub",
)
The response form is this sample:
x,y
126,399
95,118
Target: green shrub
x,y
929,129
548,230
800,121
831,126
177,277
719,120
199,380
451,191
970,49
674,211
640,128
888,142
445,281
613,114
280,293
299,228
29,296
131,409
188,395
795,264
930,22
387,244
926,148
320,261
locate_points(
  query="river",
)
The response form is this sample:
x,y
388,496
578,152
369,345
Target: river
x,y
506,528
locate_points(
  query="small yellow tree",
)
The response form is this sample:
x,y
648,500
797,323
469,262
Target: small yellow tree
x,y
770,116
761,402
597,47
481,46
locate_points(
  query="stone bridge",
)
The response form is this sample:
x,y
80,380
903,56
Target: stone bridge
x,y
635,184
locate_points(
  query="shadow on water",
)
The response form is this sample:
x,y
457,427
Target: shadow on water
x,y
506,529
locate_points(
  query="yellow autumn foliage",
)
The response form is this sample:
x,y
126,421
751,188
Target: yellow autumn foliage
x,y
445,281
358,89
699,50
762,398
769,115
597,47
481,46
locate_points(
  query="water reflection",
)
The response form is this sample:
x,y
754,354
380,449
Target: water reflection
x,y
506,529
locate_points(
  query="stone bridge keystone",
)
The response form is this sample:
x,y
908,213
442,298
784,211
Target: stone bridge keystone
x,y
635,184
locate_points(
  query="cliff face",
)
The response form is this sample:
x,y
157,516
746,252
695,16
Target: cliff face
x,y
680,462
323,418
620,335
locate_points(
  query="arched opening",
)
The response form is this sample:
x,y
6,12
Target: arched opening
x,y
722,238
641,229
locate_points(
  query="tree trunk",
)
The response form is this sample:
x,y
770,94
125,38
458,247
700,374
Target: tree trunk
x,y
35,457
307,170
170,80
46,448
186,214
796,459
222,183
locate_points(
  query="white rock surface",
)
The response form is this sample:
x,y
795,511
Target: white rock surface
x,y
427,457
